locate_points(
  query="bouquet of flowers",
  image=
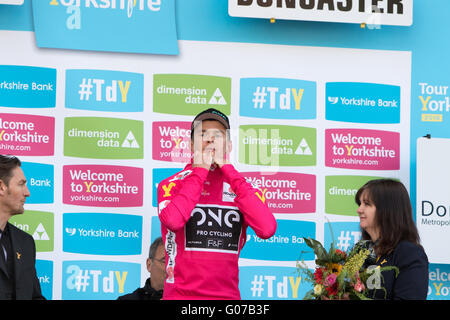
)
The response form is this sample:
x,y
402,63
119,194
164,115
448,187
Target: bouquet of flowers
x,y
339,274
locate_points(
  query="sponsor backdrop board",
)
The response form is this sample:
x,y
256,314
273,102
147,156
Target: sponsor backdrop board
x,y
107,130
318,122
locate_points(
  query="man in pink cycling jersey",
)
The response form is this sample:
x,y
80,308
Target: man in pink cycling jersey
x,y
204,212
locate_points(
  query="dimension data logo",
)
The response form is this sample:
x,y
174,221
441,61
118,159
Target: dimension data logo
x,y
274,145
38,224
434,102
187,94
40,182
103,138
286,192
277,98
172,141
27,135
77,24
285,245
27,87
100,90
99,280
340,193
271,283
102,233
362,149
362,102
103,186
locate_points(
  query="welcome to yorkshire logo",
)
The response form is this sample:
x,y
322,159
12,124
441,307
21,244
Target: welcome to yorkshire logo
x,y
74,8
103,138
106,25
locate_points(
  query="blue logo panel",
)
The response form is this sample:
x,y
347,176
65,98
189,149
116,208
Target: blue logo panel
x,y
27,87
40,182
158,176
274,98
99,90
272,283
345,234
99,280
438,282
362,102
286,245
156,229
44,270
102,233
138,26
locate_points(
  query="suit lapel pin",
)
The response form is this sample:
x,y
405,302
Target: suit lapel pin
x,y
18,255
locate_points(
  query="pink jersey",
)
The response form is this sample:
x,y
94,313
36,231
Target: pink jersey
x,y
204,218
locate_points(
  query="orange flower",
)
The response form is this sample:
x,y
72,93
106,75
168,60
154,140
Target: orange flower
x,y
335,268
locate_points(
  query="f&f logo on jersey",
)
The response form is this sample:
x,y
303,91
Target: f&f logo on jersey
x,y
214,228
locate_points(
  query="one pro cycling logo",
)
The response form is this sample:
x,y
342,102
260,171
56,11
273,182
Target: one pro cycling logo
x,y
214,228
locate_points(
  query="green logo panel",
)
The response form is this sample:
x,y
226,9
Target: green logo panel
x,y
275,145
103,138
40,225
340,193
188,94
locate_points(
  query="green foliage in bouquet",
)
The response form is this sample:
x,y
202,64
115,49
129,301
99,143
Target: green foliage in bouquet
x,y
341,275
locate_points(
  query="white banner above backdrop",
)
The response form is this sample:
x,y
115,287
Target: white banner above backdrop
x,y
374,12
433,210
16,2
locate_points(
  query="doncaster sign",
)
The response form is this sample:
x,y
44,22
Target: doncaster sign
x,y
373,12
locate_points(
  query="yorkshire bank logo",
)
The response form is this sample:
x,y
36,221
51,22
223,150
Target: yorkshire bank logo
x,y
102,233
103,138
276,145
103,186
40,182
101,90
38,224
27,135
275,98
340,193
189,94
71,24
44,272
362,149
285,245
99,280
434,102
362,102
27,87
272,283
172,141
286,192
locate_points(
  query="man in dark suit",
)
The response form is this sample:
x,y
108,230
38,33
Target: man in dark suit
x,y
18,279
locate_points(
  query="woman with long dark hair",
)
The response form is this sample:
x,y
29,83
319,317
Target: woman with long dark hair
x,y
386,221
